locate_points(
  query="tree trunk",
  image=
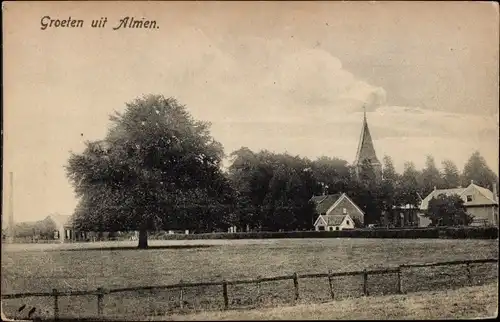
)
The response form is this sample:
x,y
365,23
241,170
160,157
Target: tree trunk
x,y
143,239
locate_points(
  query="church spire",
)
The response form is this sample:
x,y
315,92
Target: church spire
x,y
366,150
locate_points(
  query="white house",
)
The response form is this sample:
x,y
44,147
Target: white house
x,y
333,222
480,202
337,212
64,227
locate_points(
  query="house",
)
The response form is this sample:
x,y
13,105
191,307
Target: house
x,y
480,202
64,228
333,222
337,212
406,215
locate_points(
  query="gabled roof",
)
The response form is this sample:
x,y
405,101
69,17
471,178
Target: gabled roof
x,y
485,192
320,218
460,192
334,220
328,202
323,203
366,150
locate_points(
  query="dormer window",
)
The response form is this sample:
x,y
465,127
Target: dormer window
x,y
469,198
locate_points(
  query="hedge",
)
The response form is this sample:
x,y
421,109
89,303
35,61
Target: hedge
x,y
442,232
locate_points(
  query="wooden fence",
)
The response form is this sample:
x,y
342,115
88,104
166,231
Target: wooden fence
x,y
399,270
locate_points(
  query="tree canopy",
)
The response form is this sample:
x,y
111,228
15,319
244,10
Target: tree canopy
x,y
450,174
448,211
273,190
478,171
156,168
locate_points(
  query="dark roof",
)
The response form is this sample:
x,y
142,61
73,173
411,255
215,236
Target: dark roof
x,y
366,150
323,203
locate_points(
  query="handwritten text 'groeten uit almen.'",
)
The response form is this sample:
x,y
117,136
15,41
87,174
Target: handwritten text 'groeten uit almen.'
x,y
124,23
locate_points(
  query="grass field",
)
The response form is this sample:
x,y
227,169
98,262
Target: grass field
x,y
464,303
42,267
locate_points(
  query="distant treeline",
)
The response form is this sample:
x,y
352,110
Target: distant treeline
x,y
273,190
158,168
441,232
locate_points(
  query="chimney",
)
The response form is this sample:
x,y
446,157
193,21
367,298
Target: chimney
x,y
434,188
472,182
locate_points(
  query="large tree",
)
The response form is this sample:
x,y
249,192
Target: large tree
x,y
250,176
274,190
332,173
408,189
450,174
388,190
430,176
448,211
366,191
157,168
476,169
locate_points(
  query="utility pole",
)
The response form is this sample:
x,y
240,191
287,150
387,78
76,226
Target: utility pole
x,y
11,208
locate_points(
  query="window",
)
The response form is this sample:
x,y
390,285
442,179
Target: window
x,y
336,228
469,198
321,228
347,222
344,211
331,228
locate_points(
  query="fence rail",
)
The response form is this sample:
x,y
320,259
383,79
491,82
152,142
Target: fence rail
x,y
101,292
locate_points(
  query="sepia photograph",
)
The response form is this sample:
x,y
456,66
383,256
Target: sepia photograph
x,y
250,160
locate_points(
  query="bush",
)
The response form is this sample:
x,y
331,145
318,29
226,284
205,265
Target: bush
x,y
442,232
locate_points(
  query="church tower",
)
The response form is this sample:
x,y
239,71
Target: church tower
x,y
366,151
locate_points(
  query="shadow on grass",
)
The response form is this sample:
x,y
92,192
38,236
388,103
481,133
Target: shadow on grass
x,y
119,248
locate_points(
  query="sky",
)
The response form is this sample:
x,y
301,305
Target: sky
x,y
283,76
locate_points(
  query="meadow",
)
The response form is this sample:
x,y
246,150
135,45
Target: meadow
x,y
464,303
87,266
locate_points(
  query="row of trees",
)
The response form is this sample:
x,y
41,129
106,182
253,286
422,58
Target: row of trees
x,y
159,169
42,229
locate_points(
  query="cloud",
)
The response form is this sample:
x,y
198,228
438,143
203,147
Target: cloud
x,y
277,80
283,96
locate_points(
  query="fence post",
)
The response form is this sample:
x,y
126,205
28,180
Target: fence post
x,y
56,303
365,283
224,293
469,273
400,282
181,295
296,285
100,298
330,283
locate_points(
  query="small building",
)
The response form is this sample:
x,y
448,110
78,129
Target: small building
x,y
337,211
480,202
333,222
406,215
64,228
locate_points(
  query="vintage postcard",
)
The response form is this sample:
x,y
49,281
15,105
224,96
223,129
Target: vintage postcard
x,y
250,160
